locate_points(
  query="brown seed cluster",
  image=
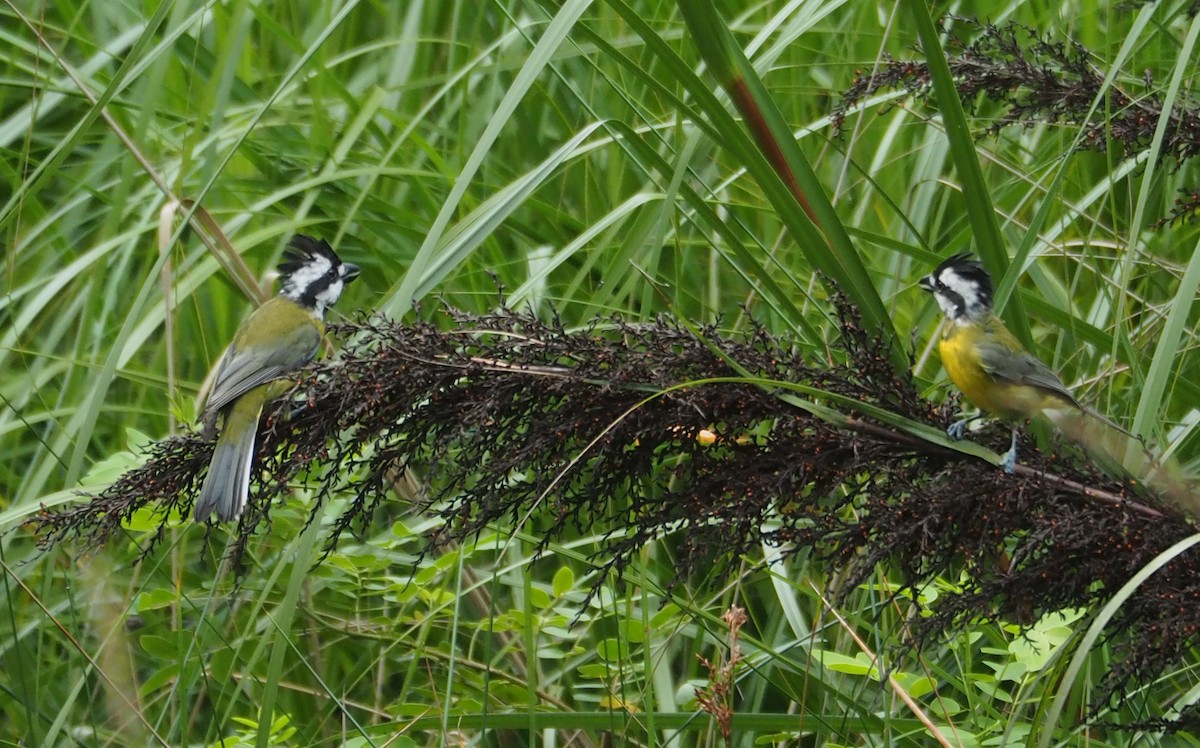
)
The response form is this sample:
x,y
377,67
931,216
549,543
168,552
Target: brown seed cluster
x,y
1014,75
652,432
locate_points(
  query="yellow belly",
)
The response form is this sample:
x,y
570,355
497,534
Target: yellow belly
x,y
1008,400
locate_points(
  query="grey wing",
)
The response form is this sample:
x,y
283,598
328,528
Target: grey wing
x,y
1019,367
242,371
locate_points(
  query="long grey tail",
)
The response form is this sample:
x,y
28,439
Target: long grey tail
x,y
1109,422
228,481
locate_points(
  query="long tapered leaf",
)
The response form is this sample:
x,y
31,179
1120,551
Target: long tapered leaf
x,y
816,225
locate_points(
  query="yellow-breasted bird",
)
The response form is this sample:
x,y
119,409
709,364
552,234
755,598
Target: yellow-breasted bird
x,y
989,365
279,337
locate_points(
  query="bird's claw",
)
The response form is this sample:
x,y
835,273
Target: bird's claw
x,y
958,429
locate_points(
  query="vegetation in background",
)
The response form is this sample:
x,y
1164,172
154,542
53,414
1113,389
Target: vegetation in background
x,y
578,156
1041,79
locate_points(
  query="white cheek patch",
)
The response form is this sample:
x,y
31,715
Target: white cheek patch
x,y
306,275
966,290
326,296
330,294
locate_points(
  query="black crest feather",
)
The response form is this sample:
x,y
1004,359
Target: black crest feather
x,y
301,249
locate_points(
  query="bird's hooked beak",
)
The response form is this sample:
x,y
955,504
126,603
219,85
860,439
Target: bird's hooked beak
x,y
350,271
926,283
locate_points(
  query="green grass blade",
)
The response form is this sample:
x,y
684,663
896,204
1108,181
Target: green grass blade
x,y
975,189
427,258
817,226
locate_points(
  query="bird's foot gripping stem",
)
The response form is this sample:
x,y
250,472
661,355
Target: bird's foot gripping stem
x,y
1009,461
958,429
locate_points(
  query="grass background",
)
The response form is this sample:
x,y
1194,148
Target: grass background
x,y
557,150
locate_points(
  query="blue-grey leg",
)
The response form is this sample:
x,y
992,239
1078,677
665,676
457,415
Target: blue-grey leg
x,y
958,429
1009,461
